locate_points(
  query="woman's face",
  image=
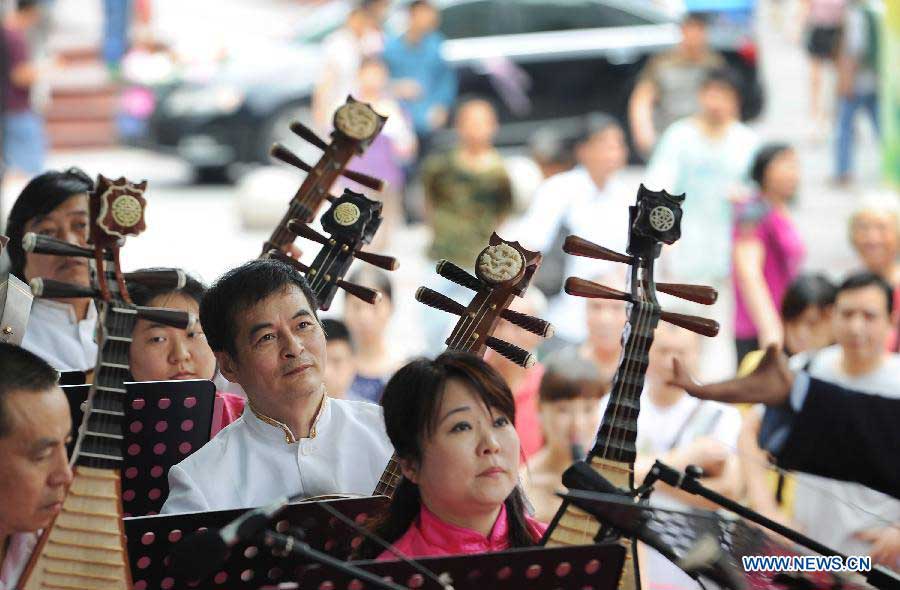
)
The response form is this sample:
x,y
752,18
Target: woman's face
x,y
162,353
470,462
811,330
874,237
570,421
367,322
782,175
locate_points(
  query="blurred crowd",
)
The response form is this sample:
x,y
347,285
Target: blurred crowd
x,y
739,235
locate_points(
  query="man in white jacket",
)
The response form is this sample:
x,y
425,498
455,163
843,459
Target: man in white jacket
x,y
260,320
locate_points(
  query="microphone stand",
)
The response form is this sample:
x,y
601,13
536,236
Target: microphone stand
x,y
290,545
688,481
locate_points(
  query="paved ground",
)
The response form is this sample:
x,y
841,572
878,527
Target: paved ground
x,y
199,228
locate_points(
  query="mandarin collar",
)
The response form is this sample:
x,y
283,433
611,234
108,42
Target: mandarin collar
x,y
274,430
456,539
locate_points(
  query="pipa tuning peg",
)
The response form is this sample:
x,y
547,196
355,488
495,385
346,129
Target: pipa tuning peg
x,y
453,273
304,132
584,288
521,357
432,298
281,256
158,279
379,260
376,184
366,294
703,326
288,157
696,293
527,322
3,242
38,244
51,289
304,231
169,317
577,246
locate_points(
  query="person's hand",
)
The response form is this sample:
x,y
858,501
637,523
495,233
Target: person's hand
x,y
437,116
406,89
770,383
885,544
708,454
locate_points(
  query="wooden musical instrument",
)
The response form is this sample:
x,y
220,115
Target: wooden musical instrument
x,y
84,547
503,270
351,222
355,126
655,219
15,306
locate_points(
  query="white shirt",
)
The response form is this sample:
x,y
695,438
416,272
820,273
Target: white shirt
x,y
56,335
710,172
17,554
659,430
600,215
832,511
250,462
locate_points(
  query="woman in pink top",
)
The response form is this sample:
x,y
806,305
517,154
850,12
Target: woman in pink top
x,y
768,249
451,423
163,353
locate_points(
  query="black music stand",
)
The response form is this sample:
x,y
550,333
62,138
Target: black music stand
x,y
679,531
151,539
595,567
72,378
165,421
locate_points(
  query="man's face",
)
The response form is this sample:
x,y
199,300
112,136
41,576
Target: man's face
x,y
341,369
718,103
861,323
693,36
424,19
476,124
280,350
69,223
669,343
874,237
604,153
34,469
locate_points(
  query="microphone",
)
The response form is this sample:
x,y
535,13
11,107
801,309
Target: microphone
x,y
200,554
581,476
577,451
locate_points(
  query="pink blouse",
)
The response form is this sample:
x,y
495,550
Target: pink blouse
x,y
429,536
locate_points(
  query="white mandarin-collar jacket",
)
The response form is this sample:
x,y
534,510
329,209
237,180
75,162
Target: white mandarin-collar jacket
x,y
254,460
57,336
18,552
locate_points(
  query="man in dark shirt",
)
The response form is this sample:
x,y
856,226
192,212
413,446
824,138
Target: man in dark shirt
x,y
24,143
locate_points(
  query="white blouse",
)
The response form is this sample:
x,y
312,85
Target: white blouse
x,y
252,462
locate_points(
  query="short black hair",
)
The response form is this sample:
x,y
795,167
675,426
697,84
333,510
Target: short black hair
x,y
373,278
696,18
420,4
336,331
763,158
143,295
22,371
41,195
805,291
593,123
724,76
860,280
239,289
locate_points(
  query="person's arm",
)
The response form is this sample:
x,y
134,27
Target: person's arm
x,y
443,90
663,168
844,435
640,115
749,257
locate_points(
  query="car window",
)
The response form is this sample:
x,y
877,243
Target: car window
x,y
470,19
538,16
